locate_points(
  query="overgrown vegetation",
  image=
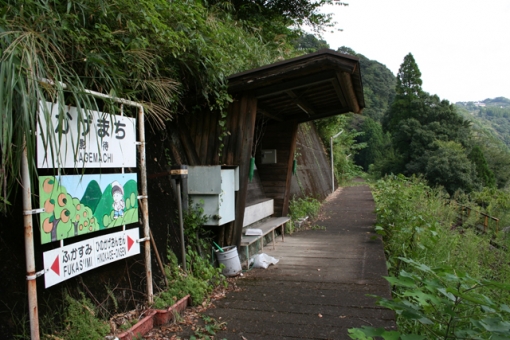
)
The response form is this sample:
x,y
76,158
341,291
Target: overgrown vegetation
x,y
201,276
200,279
168,55
448,281
82,321
448,277
300,210
209,329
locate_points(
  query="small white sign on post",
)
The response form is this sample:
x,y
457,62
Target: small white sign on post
x,y
92,140
69,261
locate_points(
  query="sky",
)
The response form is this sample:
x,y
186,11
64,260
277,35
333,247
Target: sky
x,y
462,47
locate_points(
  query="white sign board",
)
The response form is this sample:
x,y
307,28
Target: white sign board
x,y
86,139
69,261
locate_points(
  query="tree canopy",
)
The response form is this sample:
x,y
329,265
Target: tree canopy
x,y
273,18
429,136
171,56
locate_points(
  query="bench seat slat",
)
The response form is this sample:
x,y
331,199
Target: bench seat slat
x,y
266,226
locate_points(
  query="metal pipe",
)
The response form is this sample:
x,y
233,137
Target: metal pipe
x,y
181,224
95,94
145,204
332,165
29,246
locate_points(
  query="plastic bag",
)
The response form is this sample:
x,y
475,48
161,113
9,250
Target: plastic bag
x,y
262,261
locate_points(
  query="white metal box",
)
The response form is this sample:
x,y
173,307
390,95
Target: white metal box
x,y
214,187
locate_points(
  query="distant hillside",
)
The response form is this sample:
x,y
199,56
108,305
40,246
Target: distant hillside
x,y
499,102
490,115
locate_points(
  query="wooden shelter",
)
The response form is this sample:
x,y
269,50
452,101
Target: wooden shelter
x,y
269,104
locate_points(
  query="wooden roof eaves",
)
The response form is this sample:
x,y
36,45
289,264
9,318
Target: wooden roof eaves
x,y
297,60
345,82
291,70
341,71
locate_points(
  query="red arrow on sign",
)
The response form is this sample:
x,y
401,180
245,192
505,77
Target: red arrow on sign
x,y
56,266
130,242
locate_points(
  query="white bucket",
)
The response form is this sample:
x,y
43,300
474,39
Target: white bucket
x,y
230,260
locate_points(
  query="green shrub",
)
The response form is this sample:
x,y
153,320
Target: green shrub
x,y
198,281
81,320
442,303
302,207
445,274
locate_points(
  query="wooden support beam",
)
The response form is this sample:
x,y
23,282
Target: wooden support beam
x,y
266,113
305,81
339,93
242,154
301,118
346,84
303,105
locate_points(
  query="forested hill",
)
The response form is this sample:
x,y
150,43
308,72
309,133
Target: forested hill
x,y
491,115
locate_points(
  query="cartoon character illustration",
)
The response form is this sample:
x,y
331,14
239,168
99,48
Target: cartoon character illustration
x,y
118,200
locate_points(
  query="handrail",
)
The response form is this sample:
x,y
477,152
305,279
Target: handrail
x,y
486,217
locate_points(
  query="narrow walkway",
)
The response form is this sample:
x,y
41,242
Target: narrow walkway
x,y
319,288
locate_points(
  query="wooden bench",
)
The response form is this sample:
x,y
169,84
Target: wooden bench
x,y
257,216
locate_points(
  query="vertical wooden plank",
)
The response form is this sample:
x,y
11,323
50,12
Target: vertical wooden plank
x,y
204,137
197,137
226,231
240,131
193,129
249,112
188,144
232,126
235,147
213,141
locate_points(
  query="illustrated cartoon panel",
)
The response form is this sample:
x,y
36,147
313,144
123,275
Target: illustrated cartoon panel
x,y
80,204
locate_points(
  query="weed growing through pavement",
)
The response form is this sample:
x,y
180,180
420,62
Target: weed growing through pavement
x,y
301,208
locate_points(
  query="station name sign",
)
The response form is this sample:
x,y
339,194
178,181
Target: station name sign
x,y
69,261
72,138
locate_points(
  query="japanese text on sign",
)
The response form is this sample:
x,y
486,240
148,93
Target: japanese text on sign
x,y
66,262
71,138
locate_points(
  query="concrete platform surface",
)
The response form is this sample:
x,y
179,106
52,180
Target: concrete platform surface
x,y
319,288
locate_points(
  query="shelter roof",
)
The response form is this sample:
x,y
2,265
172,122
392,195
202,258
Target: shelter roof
x,y
313,86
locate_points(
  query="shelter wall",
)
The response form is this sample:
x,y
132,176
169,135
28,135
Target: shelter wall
x,y
313,177
275,178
